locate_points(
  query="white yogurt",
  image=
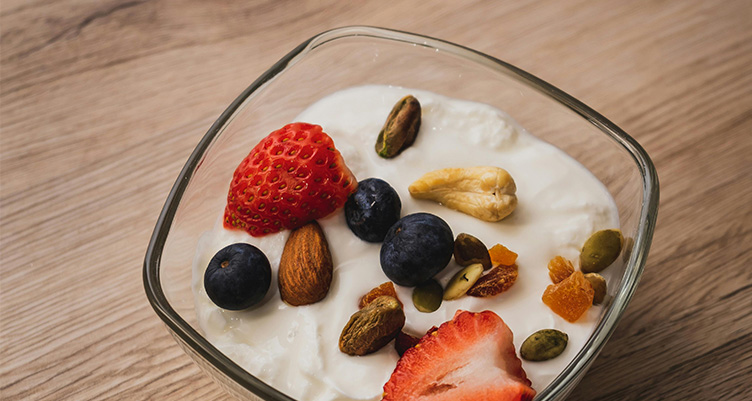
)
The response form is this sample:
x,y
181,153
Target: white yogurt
x,y
295,349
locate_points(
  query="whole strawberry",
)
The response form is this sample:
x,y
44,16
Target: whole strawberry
x,y
291,177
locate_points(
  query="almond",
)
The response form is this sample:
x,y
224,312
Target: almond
x,y
305,269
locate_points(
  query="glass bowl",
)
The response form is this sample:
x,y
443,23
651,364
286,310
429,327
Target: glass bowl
x,y
353,56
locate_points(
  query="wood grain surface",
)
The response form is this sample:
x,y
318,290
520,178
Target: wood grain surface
x,y
102,101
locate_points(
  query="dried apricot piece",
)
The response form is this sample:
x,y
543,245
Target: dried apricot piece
x,y
570,298
498,280
384,289
559,269
501,255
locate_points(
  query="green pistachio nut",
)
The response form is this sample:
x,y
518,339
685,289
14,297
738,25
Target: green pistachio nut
x,y
400,129
462,281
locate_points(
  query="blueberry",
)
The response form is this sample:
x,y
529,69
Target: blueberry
x,y
416,248
372,209
238,277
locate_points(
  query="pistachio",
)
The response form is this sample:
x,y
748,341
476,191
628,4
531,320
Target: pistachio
x,y
469,250
487,193
544,345
599,286
427,296
600,250
400,129
462,281
372,327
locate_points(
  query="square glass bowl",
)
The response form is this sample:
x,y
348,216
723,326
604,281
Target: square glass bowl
x,y
354,56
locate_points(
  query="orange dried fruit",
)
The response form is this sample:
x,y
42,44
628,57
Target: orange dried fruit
x,y
498,280
384,289
559,269
501,255
570,298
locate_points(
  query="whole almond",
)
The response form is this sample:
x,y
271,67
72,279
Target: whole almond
x,y
305,269
372,327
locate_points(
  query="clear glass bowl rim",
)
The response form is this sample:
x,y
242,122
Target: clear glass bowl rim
x,y
597,340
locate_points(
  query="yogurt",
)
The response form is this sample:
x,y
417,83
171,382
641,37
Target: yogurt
x,y
560,203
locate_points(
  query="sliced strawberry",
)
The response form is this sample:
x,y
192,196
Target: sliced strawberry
x,y
293,176
468,358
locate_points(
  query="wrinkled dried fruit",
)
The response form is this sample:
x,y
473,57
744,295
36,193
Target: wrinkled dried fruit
x,y
496,281
400,129
372,327
463,281
570,298
559,269
501,255
404,342
384,289
600,250
599,286
544,345
469,250
427,296
487,193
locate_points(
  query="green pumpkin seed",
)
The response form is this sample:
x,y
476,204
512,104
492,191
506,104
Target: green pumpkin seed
x,y
544,345
427,296
469,250
600,250
599,285
462,281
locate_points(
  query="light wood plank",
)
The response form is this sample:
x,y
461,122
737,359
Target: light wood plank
x,y
101,102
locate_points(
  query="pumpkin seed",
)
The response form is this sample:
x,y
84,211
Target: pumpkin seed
x,y
427,296
600,250
544,345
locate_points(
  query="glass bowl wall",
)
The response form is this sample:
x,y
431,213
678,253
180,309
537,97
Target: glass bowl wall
x,y
354,56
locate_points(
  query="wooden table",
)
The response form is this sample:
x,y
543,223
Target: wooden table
x,y
103,101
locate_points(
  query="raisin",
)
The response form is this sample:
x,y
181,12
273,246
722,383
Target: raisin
x,y
498,280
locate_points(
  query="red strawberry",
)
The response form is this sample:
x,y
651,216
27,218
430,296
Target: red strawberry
x,y
291,177
469,358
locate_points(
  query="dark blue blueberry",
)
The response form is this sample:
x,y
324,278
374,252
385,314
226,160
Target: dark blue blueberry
x,y
238,277
416,248
372,209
